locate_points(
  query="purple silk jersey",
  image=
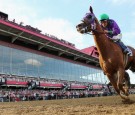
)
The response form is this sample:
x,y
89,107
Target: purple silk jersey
x,y
113,27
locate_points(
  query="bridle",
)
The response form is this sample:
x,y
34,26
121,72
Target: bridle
x,y
92,28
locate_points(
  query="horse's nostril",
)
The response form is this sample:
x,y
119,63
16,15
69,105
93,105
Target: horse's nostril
x,y
79,25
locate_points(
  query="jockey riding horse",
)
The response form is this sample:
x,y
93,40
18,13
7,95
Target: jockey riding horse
x,y
112,54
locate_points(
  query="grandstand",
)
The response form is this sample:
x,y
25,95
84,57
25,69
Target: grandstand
x,y
30,59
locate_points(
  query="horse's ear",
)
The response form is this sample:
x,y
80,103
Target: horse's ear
x,y
91,10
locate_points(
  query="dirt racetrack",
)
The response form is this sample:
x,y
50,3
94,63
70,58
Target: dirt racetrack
x,y
111,105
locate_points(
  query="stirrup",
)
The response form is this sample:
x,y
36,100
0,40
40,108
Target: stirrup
x,y
129,54
126,51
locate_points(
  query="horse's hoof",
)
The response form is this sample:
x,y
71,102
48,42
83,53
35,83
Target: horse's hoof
x,y
123,96
127,94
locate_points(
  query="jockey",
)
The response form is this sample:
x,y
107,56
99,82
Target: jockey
x,y
113,32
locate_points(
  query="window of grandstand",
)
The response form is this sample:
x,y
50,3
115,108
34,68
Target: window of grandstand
x,y
33,65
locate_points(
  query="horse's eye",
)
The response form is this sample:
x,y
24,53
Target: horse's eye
x,y
89,17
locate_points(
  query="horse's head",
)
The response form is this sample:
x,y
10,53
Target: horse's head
x,y
88,23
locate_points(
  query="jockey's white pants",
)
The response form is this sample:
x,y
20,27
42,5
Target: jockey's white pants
x,y
116,38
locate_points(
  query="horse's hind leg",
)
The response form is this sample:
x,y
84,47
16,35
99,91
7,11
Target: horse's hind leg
x,y
127,83
127,79
108,86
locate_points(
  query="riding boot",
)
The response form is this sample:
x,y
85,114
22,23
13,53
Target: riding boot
x,y
124,48
128,52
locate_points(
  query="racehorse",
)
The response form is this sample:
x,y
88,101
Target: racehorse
x,y
111,58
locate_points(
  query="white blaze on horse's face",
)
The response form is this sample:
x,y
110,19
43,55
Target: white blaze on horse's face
x,y
81,28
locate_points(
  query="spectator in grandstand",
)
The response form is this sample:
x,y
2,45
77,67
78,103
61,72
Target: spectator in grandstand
x,y
1,99
86,93
13,20
52,95
24,98
46,96
1,17
21,23
77,94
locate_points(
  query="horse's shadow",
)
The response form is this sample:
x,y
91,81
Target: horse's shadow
x,y
128,101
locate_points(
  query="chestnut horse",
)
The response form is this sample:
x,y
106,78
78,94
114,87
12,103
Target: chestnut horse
x,y
111,57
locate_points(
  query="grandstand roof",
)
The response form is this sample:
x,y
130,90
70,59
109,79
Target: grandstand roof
x,y
20,35
91,51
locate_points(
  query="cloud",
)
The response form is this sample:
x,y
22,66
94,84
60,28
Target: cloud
x,y
32,62
62,29
18,10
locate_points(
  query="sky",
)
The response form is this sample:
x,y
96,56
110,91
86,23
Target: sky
x,y
60,17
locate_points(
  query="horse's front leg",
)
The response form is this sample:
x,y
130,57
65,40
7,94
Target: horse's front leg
x,y
120,75
113,79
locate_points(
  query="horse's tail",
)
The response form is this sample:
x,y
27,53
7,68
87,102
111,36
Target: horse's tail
x,y
132,67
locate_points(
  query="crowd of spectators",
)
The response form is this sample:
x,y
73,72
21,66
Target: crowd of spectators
x,y
18,93
12,95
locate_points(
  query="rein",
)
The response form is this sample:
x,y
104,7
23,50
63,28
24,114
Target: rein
x,y
94,31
